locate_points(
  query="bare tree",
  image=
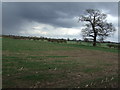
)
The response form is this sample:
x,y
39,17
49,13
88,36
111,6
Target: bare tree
x,y
96,25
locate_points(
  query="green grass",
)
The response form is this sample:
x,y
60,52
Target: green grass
x,y
90,70
36,77
26,62
47,56
93,48
46,46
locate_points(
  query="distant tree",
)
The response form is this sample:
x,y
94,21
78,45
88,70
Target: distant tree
x,y
86,40
68,39
74,39
96,25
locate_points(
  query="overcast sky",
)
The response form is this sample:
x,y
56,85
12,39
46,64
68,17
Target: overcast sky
x,y
55,20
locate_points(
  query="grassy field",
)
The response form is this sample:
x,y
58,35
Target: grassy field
x,y
39,64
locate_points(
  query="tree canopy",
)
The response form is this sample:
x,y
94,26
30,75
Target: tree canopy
x,y
96,25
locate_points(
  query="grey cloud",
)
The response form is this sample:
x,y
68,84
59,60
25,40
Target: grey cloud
x,y
55,14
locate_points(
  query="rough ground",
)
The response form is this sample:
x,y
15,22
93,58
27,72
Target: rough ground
x,y
37,64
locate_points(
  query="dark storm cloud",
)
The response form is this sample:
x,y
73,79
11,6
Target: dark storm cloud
x,y
55,14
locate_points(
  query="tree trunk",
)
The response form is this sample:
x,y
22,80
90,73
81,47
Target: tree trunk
x,y
94,41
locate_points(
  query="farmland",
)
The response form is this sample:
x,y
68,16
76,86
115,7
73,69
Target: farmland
x,y
42,64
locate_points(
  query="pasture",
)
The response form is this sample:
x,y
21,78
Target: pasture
x,y
42,64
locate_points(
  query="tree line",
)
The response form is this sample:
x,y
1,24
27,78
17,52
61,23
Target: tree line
x,y
109,44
